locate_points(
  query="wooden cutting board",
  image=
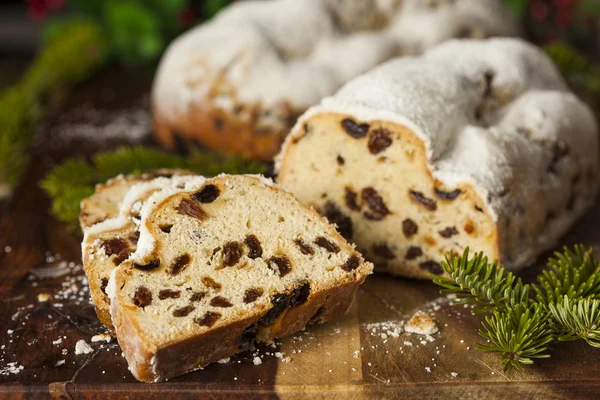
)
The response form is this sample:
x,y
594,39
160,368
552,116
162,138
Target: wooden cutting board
x,y
45,311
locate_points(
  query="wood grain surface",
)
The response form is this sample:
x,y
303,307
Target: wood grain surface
x,y
357,357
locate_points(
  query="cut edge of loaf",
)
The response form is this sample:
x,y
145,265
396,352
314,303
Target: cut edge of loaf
x,y
117,235
156,358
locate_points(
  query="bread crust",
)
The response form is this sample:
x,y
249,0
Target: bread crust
x,y
222,131
149,364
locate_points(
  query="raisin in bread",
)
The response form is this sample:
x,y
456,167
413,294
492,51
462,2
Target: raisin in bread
x,y
477,143
108,243
107,197
233,261
238,82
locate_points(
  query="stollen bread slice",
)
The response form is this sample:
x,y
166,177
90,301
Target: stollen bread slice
x,y
108,243
107,197
233,261
477,143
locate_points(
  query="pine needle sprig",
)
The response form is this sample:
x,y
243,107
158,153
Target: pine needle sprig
x,y
520,333
566,306
577,319
73,180
485,285
574,274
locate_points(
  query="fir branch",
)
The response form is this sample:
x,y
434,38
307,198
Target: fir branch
x,y
520,333
566,306
70,182
68,56
574,274
577,319
485,285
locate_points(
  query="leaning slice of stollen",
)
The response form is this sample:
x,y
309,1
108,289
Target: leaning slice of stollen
x,y
107,197
232,261
108,243
476,143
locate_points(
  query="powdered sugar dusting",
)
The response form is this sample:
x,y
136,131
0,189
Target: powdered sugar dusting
x,y
259,48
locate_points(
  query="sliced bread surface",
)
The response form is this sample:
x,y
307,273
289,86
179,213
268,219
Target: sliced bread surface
x,y
232,261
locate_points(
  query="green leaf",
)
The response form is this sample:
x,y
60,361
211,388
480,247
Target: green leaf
x,y
212,7
133,30
517,7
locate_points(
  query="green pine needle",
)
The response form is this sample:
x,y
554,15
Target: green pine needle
x,y
74,179
579,319
519,333
566,305
475,281
574,274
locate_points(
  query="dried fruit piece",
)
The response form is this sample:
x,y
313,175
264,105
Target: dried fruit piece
x,y
232,252
342,222
447,195
103,285
208,319
197,296
351,198
379,140
114,246
153,264
180,264
375,202
142,297
426,202
300,295
248,337
448,232
183,311
353,129
413,252
384,251
280,264
122,256
208,194
191,208
166,228
432,266
252,294
409,227
254,246
327,244
469,228
211,283
169,294
220,301
304,247
282,301
352,263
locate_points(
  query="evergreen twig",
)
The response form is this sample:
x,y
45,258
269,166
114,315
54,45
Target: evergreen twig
x,y
566,305
475,281
520,333
579,319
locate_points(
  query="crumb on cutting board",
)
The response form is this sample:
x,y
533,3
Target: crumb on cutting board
x,y
82,347
421,323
